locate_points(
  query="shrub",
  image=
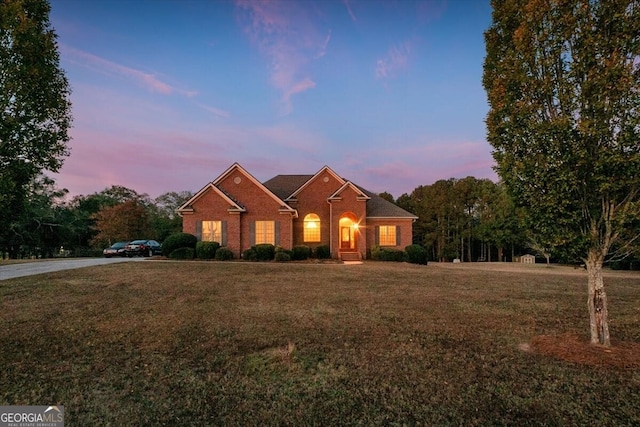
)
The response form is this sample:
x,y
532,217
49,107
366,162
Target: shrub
x,y
250,255
282,256
323,252
416,254
265,251
375,253
206,250
224,254
182,253
620,265
301,252
178,240
387,254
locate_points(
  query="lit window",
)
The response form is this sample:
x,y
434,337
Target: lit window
x,y
212,231
265,232
312,228
387,236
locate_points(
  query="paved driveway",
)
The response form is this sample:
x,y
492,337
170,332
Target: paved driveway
x,y
10,271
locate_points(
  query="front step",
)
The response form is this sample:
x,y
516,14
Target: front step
x,y
350,256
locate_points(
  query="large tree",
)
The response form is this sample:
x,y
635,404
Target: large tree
x,y
125,221
34,102
563,83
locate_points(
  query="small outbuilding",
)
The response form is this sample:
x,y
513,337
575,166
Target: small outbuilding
x,y
528,259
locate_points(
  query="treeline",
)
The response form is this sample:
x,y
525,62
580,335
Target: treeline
x,y
475,220
468,219
48,224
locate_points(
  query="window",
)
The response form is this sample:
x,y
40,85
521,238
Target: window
x,y
212,231
265,232
312,228
387,235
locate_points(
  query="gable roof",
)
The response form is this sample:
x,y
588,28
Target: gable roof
x,y
285,186
324,169
349,184
284,207
234,205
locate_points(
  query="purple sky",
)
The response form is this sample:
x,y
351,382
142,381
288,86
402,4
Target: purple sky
x,y
168,94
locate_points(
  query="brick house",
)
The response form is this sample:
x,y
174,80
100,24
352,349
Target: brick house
x,y
238,211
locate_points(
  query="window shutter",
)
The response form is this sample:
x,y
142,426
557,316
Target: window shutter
x,y
224,234
252,233
398,236
199,230
276,232
377,235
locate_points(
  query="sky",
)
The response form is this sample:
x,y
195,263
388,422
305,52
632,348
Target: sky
x,y
167,94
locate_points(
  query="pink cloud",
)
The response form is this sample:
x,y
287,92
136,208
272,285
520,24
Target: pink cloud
x,y
101,65
349,10
215,111
394,62
286,33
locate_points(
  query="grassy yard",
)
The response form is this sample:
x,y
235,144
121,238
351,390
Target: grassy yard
x,y
210,343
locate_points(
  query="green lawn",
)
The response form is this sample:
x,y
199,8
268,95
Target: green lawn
x,y
211,343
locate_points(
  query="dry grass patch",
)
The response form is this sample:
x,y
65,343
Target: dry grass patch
x,y
210,343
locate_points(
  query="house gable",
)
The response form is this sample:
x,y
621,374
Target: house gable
x,y
308,195
325,174
360,195
236,180
187,208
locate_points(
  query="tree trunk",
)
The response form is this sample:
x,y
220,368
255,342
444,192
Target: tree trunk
x,y
597,301
500,254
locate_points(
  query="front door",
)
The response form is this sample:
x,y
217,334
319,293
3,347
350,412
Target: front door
x,y
346,241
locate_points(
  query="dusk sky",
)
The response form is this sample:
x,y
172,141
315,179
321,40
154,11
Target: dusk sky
x,y
168,94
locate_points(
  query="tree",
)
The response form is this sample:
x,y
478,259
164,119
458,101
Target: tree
x,y
164,217
34,103
387,196
38,229
125,221
563,83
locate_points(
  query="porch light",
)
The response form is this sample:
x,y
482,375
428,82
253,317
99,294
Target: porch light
x,y
355,226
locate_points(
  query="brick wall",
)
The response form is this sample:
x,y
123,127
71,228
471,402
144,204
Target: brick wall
x,y
313,199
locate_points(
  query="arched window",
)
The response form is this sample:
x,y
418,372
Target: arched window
x,y
311,228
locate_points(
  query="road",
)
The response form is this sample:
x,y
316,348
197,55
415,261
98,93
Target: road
x,y
10,271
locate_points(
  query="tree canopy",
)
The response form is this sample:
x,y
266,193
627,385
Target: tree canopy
x,y
34,103
563,83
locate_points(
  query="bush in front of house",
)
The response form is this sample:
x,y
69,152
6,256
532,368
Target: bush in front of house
x,y
250,255
206,250
282,256
182,253
323,252
265,251
224,254
416,254
178,240
387,254
300,253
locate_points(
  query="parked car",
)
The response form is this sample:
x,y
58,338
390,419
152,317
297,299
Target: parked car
x,y
143,248
117,249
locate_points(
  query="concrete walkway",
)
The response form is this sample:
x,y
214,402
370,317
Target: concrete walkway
x,y
11,271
